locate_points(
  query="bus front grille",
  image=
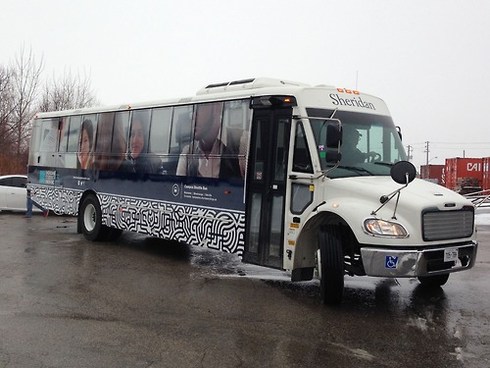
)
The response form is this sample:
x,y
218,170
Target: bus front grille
x,y
440,225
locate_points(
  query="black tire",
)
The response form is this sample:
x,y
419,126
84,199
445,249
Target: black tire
x,y
332,265
434,281
113,234
90,219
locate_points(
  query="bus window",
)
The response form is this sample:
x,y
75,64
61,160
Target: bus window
x,y
281,151
160,130
206,147
86,141
210,158
34,155
301,197
181,128
104,132
63,134
181,132
86,145
140,129
161,123
236,130
207,129
139,161
49,136
69,141
73,133
103,141
120,136
301,155
260,153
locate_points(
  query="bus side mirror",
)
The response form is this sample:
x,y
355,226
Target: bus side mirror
x,y
333,141
332,156
334,134
403,172
399,131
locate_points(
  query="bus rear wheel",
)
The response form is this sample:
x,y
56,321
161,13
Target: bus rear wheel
x,y
434,281
90,219
332,265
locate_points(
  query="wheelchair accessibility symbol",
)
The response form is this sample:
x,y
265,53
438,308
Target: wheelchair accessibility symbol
x,y
391,262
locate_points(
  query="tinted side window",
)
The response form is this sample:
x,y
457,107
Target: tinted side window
x,y
207,127
49,135
236,130
181,128
160,130
64,124
301,155
140,130
121,127
19,182
74,128
104,132
48,142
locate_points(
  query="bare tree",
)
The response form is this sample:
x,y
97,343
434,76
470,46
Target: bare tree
x,y
25,81
6,108
67,92
21,98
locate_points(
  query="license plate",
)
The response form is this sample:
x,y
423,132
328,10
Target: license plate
x,y
451,254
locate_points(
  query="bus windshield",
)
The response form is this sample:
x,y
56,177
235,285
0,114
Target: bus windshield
x,y
370,143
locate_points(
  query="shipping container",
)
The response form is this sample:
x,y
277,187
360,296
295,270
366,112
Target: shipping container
x,y
464,174
486,173
433,173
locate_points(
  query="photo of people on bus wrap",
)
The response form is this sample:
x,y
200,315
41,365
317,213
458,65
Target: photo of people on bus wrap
x,y
110,147
85,157
207,156
139,159
208,140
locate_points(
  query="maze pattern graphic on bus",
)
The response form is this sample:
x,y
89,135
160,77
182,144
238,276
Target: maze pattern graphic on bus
x,y
59,200
201,226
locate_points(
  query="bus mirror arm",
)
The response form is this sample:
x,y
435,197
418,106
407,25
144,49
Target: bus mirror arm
x,y
385,198
403,172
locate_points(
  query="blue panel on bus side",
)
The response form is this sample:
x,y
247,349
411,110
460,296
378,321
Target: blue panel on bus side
x,y
193,191
198,211
206,192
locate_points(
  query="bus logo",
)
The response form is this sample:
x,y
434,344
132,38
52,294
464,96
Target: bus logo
x,y
175,190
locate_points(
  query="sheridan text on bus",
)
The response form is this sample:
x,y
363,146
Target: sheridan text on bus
x,y
282,174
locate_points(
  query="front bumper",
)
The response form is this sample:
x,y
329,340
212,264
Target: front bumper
x,y
387,262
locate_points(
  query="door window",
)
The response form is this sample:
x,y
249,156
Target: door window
x,y
301,154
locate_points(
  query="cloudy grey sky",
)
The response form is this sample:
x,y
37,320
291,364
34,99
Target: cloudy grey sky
x,y
428,59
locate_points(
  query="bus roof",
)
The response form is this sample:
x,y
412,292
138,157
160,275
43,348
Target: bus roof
x,y
321,96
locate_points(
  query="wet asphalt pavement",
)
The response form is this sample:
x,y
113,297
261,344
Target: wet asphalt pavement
x,y
142,302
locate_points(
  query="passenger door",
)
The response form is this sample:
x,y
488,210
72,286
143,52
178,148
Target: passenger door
x,y
266,186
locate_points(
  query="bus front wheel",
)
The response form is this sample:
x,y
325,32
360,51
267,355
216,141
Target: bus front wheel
x,y
332,265
434,281
90,219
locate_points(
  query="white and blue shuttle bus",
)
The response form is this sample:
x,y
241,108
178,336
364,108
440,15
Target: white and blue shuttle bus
x,y
282,174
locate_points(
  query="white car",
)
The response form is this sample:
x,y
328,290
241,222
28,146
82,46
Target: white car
x,y
13,193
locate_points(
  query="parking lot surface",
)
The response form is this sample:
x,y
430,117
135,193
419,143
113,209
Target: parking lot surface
x,y
142,302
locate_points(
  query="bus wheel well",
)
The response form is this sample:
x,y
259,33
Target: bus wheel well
x,y
307,244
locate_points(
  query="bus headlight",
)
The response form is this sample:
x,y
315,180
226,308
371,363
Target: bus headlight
x,y
377,227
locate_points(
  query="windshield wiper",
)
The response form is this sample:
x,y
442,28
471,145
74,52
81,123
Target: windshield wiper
x,y
389,164
355,169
